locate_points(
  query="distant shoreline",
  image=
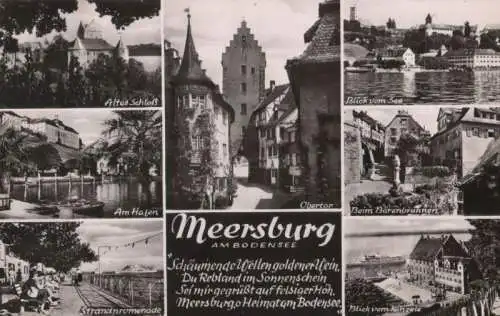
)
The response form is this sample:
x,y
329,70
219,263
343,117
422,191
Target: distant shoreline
x,y
409,233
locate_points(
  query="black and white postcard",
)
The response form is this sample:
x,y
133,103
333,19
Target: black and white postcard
x,y
253,105
80,54
421,266
62,164
254,264
420,52
82,268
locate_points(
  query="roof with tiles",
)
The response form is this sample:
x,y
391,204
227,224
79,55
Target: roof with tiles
x,y
323,37
271,95
426,249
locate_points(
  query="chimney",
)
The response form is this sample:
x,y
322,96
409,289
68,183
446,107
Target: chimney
x,y
272,85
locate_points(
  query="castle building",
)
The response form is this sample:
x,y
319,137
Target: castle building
x,y
55,130
243,80
442,262
89,44
199,104
315,81
444,29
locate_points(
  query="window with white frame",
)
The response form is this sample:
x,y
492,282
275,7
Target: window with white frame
x,y
292,136
183,101
294,159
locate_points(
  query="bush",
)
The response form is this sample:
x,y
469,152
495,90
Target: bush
x,y
221,202
434,171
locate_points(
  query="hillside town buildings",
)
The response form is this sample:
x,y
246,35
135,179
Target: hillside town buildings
x,y
473,58
243,80
442,261
403,54
199,103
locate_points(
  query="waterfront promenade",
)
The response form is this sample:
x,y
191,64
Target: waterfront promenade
x,y
73,299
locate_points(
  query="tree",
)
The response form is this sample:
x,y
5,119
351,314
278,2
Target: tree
x,y
14,148
138,135
76,94
56,54
136,75
44,157
56,245
50,15
407,149
485,246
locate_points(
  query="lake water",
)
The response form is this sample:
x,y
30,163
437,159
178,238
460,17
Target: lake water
x,y
124,195
357,247
426,87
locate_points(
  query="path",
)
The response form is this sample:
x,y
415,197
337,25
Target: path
x,y
251,196
496,306
21,210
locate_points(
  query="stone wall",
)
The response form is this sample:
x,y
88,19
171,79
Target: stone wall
x,y
352,153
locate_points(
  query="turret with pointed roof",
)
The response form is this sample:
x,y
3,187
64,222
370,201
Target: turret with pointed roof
x,y
190,70
122,50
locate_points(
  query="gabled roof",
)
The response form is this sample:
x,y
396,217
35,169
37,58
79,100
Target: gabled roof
x,y
322,37
407,115
94,44
426,249
271,95
466,115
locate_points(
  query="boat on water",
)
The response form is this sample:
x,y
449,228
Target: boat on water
x,y
47,208
370,260
83,206
359,69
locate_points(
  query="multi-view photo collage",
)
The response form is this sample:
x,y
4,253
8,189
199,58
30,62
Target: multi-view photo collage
x,y
250,157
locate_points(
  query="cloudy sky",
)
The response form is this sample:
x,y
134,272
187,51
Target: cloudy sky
x,y
426,117
278,26
140,32
374,225
90,125
116,233
409,13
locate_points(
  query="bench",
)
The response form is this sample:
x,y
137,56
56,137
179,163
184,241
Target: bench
x,y
27,302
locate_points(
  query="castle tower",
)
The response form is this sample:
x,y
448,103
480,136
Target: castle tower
x,y
123,51
243,80
353,14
